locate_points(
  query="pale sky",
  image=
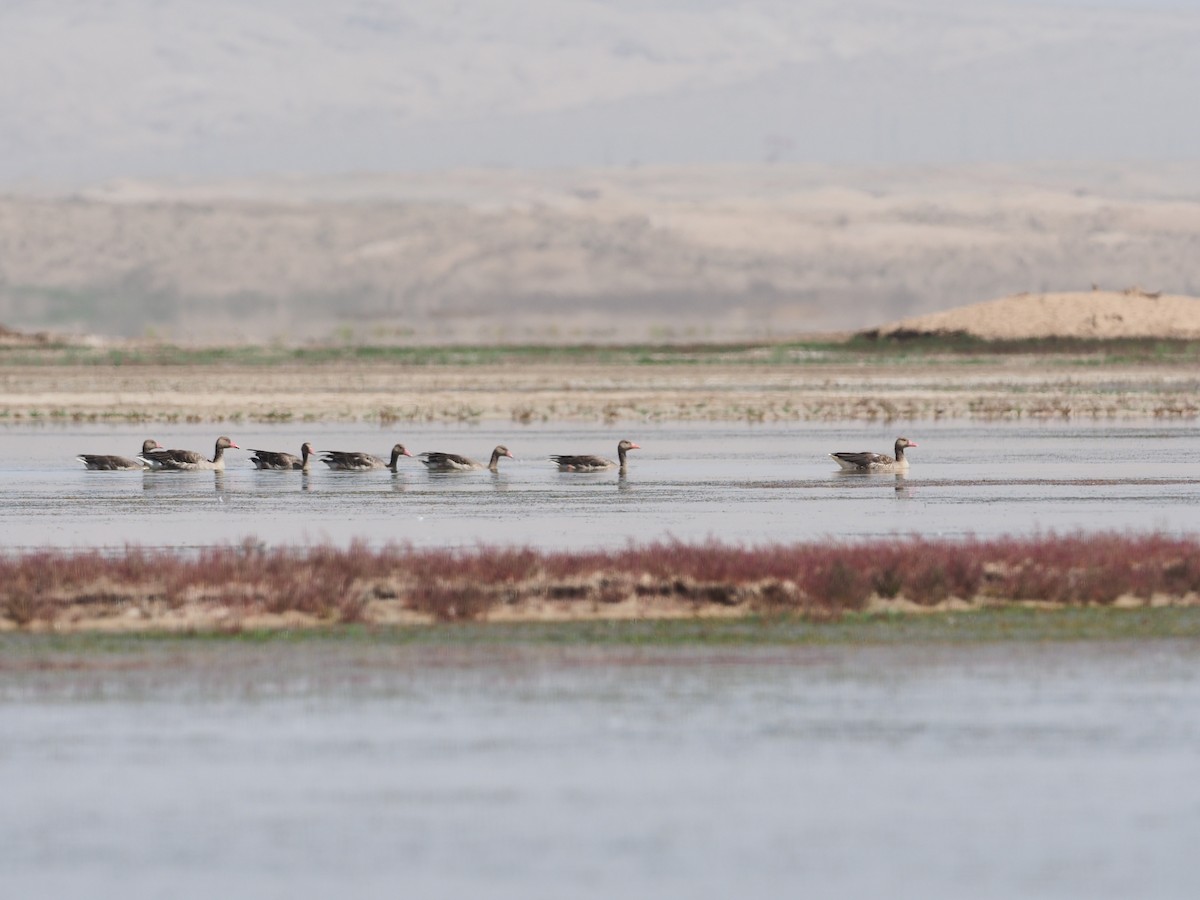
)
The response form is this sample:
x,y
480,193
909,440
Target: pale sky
x,y
242,87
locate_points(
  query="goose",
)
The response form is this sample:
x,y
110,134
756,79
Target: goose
x,y
875,462
452,462
594,463
190,460
356,461
274,459
99,462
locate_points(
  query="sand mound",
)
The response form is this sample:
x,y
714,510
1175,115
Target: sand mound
x,y
1133,313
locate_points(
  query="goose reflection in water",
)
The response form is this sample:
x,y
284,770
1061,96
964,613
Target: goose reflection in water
x,y
169,484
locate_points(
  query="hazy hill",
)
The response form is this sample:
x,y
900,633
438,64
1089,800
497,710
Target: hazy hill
x,y
702,252
652,123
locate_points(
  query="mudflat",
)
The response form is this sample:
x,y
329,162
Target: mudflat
x,y
750,386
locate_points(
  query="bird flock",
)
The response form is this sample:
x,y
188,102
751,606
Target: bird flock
x,y
156,457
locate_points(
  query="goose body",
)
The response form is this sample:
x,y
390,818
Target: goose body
x,y
585,463
356,461
102,463
189,460
274,459
875,462
452,462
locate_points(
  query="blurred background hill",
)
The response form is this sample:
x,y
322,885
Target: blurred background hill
x,y
701,253
607,169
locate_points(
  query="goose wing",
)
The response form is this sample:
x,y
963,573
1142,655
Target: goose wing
x,y
862,460
101,462
349,459
437,460
169,458
274,459
582,463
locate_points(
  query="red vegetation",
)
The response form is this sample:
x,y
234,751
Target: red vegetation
x,y
339,584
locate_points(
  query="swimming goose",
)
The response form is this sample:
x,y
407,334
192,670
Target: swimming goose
x,y
99,462
452,462
190,460
594,463
355,461
274,459
875,462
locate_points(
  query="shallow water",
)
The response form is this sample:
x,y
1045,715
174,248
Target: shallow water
x,y
200,769
337,769
735,483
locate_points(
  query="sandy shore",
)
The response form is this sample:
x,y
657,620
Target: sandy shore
x,y
147,617
986,387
